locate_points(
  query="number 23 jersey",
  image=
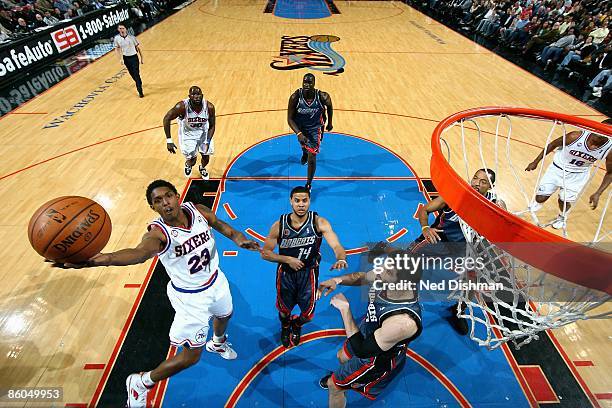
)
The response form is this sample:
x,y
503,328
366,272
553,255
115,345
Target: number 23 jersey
x,y
190,255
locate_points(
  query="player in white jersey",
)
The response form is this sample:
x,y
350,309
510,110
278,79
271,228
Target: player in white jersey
x,y
196,128
569,170
198,290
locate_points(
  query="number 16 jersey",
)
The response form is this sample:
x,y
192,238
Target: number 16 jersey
x,y
303,243
190,255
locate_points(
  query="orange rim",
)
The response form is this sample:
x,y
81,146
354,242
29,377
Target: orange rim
x,y
550,253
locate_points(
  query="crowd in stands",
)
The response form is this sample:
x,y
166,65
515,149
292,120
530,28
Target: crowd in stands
x,y
570,36
19,18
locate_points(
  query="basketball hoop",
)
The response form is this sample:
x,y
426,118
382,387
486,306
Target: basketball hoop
x,y
549,280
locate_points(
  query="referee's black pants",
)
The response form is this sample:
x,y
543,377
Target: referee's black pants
x,y
133,66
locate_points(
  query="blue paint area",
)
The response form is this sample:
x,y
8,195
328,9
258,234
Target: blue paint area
x,y
361,212
301,9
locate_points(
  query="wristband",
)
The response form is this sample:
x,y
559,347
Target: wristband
x,y
424,227
299,133
169,140
342,260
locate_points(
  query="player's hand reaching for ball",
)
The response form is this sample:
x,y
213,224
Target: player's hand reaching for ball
x,y
532,166
250,245
96,260
340,302
171,147
431,234
339,264
327,287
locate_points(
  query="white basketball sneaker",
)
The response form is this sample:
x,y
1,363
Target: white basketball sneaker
x,y
137,391
559,222
223,349
204,173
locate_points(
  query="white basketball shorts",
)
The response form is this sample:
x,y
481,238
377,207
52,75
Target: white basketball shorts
x,y
569,185
193,311
190,145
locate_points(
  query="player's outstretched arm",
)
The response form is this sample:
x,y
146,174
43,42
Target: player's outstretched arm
x,y
430,234
332,240
268,253
341,303
152,242
555,144
351,279
594,198
176,111
225,229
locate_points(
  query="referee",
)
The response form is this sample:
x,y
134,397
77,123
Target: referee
x,y
128,51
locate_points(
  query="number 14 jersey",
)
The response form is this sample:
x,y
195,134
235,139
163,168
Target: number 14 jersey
x,y
190,255
303,243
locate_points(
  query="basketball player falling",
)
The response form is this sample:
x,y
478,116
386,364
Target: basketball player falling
x,y
307,112
182,237
374,352
446,229
196,128
569,170
298,235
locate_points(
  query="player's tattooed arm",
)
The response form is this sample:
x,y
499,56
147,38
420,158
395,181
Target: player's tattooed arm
x,y
555,144
225,229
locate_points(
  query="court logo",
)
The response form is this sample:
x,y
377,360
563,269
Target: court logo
x,y
313,52
66,38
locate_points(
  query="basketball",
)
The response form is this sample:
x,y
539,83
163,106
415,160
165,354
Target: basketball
x,y
69,229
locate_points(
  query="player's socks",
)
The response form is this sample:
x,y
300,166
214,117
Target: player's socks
x,y
147,381
285,331
559,222
534,206
296,330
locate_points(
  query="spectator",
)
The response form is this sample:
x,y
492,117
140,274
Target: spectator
x,y
22,27
602,82
578,54
537,42
49,19
61,5
551,53
590,66
69,14
76,8
600,33
39,21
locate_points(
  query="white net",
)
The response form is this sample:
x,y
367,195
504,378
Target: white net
x,y
525,301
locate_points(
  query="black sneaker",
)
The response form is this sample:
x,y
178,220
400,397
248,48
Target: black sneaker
x,y
460,325
286,336
323,381
296,331
304,158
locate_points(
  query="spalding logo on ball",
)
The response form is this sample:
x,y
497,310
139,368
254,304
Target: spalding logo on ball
x,y
69,229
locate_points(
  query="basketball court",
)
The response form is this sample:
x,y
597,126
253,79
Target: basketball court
x,y
395,74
